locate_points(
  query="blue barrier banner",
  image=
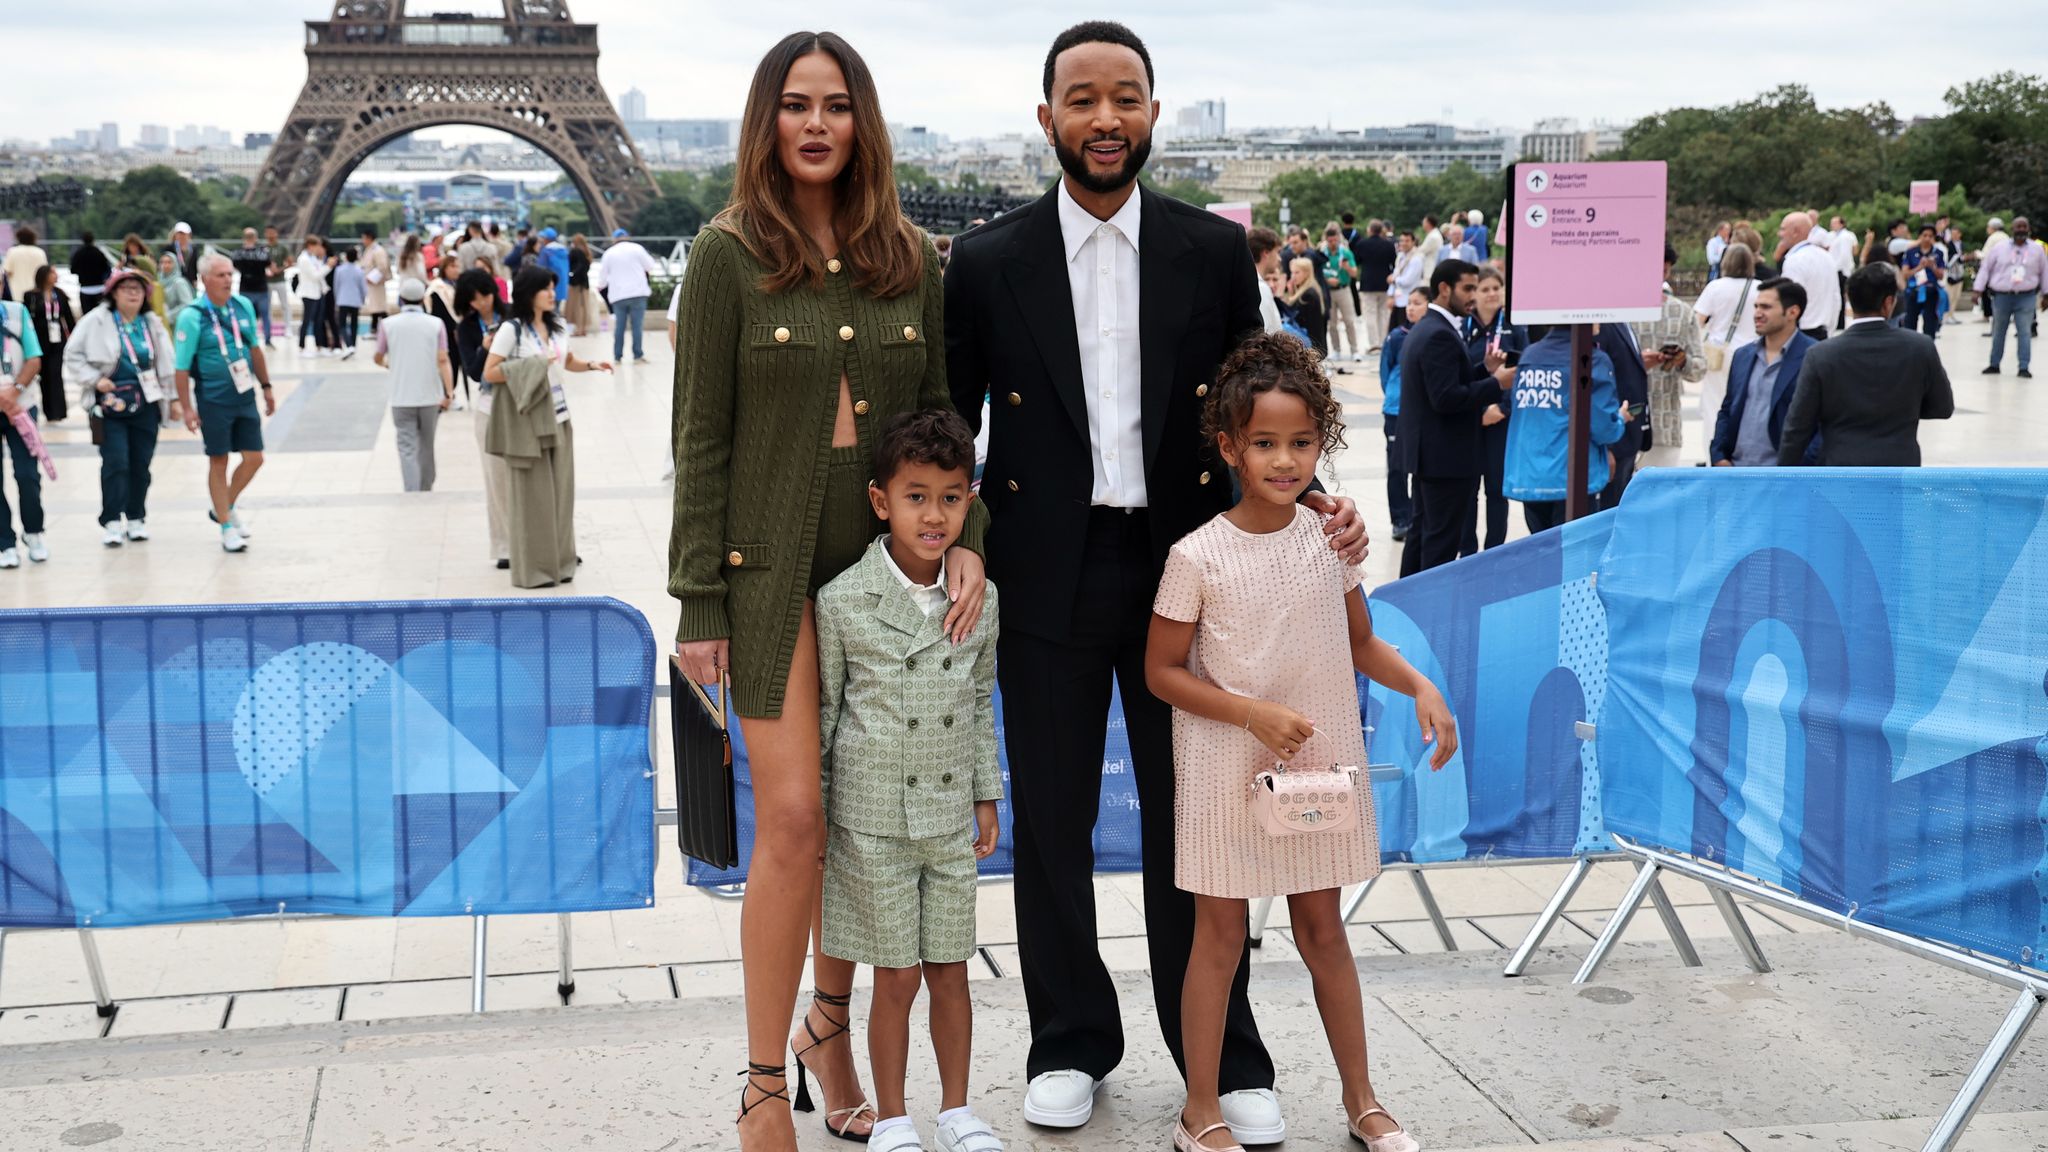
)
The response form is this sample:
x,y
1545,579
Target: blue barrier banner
x,y
1836,681
1516,640
417,759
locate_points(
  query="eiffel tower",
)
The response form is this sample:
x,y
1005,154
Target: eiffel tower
x,y
374,74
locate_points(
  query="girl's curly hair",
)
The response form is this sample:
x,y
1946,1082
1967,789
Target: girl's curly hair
x,y
1271,362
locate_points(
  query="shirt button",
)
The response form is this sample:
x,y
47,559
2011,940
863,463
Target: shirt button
x,y
845,332
913,724
1105,269
734,558
1015,399
909,333
782,335
1108,455
860,408
831,265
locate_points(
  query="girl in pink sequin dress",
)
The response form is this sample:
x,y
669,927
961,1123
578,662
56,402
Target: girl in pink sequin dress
x,y
1255,634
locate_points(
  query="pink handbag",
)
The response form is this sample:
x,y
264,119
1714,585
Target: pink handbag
x,y
1291,801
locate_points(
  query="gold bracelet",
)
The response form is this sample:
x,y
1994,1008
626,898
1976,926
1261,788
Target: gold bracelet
x,y
1248,716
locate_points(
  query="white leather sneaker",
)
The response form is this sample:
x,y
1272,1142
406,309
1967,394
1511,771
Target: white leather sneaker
x,y
231,540
38,551
897,1138
966,1134
9,558
112,536
1254,1116
137,530
1062,1099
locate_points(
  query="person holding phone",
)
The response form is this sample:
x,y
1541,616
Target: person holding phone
x,y
1675,355
1487,330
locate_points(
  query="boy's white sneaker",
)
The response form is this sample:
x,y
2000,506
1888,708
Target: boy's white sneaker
x,y
38,551
896,1138
112,536
10,558
966,1134
137,530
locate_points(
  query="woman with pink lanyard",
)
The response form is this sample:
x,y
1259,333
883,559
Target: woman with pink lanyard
x,y
119,363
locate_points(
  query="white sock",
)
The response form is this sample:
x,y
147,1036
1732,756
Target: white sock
x,y
952,1114
882,1126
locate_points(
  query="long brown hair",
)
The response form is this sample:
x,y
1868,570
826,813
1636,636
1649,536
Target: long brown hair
x,y
885,250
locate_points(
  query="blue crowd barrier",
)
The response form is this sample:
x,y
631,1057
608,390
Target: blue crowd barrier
x,y
1836,681
381,759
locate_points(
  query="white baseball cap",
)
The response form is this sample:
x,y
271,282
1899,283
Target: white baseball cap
x,y
181,226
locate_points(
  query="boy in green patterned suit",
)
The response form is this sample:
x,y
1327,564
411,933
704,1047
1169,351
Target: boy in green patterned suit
x,y
908,732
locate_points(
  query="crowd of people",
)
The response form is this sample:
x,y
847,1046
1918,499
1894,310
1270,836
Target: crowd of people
x,y
179,337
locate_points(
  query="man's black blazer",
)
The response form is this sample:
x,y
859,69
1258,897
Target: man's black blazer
x,y
1866,391
1443,396
1010,335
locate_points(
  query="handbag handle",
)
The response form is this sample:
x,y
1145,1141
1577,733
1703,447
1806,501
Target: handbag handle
x,y
1728,337
724,705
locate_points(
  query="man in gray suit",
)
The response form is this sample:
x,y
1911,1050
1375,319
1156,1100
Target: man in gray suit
x,y
1865,392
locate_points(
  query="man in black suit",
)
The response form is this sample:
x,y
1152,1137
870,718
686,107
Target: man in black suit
x,y
1631,387
1375,255
1094,320
1443,397
1866,391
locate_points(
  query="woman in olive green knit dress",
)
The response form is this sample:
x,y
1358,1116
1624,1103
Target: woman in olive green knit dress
x,y
811,312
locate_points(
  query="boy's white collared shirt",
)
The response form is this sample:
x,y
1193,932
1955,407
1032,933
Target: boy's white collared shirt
x,y
930,597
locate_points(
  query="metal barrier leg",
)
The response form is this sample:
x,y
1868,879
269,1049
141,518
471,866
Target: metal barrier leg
x,y
3,952
565,981
1687,954
1519,962
1738,926
1618,923
1436,914
1357,900
1261,908
103,1001
476,971
1949,1131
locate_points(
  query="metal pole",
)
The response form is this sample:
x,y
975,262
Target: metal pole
x,y
1357,899
1949,1131
1738,927
1436,914
1687,954
1618,923
1577,501
476,971
1261,908
1519,962
103,1002
565,982
3,952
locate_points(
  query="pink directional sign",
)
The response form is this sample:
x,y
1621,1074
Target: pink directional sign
x,y
1923,197
1588,244
1238,210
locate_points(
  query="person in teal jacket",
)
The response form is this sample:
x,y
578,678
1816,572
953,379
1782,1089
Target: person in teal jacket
x,y
1539,430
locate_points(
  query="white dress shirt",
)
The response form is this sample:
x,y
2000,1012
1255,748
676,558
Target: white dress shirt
x,y
1102,271
1809,265
929,597
1842,246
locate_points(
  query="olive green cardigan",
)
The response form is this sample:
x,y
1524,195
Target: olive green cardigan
x,y
756,398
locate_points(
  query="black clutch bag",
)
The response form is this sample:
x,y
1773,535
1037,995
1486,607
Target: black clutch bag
x,y
707,813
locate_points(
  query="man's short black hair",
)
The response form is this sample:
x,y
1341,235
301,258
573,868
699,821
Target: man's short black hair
x,y
1670,253
1790,294
1097,32
1347,218
1870,286
1896,225
1926,228
1428,220
1449,272
935,436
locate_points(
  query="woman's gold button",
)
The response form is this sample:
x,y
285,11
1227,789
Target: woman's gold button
x,y
1204,478
846,332
734,558
909,333
860,408
831,265
782,335
1015,399
1201,389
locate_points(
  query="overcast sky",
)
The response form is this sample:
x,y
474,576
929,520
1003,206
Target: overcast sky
x,y
972,68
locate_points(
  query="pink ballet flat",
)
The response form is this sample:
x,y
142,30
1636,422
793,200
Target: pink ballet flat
x,y
1396,1141
1182,1142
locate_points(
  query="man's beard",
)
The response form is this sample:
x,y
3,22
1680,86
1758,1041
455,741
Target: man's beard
x,y
1075,163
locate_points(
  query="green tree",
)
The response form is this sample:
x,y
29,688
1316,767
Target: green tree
x,y
1191,191
1990,140
669,216
1315,197
148,201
